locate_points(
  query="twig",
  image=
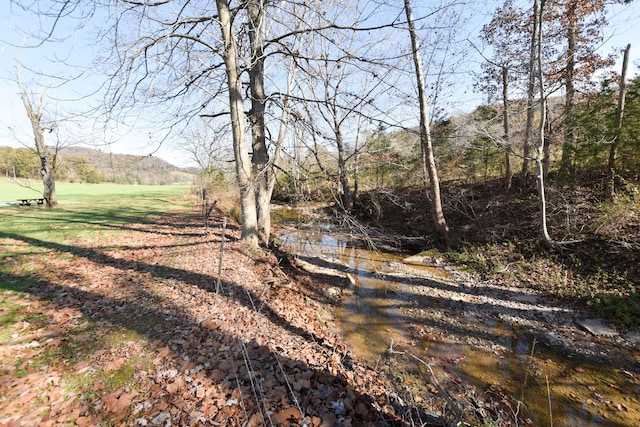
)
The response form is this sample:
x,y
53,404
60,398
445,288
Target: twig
x,y
505,268
224,226
549,398
459,413
526,371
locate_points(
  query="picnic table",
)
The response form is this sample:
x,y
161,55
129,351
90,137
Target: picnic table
x,y
29,202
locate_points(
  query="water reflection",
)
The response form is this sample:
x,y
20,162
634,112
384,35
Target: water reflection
x,y
383,308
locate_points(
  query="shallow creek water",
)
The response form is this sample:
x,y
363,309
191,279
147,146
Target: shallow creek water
x,y
459,338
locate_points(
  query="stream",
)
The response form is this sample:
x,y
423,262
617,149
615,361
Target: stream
x,y
469,332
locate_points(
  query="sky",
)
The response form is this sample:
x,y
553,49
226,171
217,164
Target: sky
x,y
79,95
40,74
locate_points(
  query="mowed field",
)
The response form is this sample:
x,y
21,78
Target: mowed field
x,y
13,190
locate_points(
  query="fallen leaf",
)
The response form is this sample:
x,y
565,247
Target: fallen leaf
x,y
284,416
118,402
114,365
175,386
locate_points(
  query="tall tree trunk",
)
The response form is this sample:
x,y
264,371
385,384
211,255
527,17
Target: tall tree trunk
x,y
611,166
238,117
429,162
546,239
531,85
260,159
566,164
356,161
546,162
508,175
343,176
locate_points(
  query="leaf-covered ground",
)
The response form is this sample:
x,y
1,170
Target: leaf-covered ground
x,y
127,328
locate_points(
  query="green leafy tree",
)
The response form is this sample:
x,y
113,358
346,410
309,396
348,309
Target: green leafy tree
x,y
26,163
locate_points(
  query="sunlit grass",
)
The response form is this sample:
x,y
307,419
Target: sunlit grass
x,y
12,190
87,211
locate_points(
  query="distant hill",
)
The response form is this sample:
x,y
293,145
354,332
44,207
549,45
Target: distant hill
x,y
80,164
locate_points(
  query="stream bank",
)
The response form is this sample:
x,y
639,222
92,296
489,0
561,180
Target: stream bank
x,y
450,341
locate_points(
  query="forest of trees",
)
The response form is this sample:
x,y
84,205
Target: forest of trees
x,y
76,164
339,97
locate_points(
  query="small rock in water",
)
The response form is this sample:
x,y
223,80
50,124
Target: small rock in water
x,y
526,298
597,328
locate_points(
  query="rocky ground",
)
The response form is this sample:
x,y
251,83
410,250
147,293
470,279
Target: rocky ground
x,y
524,338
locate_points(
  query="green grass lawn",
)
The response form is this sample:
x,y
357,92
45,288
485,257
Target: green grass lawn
x,y
86,209
12,190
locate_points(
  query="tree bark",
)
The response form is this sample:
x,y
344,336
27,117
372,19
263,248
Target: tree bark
x,y
566,164
238,118
611,166
531,84
508,175
260,159
546,238
343,176
429,162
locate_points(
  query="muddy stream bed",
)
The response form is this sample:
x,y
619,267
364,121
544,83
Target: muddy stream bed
x,y
474,340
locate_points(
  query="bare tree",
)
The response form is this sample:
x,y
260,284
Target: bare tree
x,y
531,81
538,10
505,69
341,76
246,183
182,61
428,158
207,144
47,157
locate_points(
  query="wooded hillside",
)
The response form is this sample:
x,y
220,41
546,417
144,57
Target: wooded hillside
x,y
79,164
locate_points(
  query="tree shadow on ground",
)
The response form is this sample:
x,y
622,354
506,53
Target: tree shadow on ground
x,y
237,292
119,219
478,314
252,380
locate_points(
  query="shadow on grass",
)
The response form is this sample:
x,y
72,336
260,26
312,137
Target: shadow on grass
x,y
111,218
